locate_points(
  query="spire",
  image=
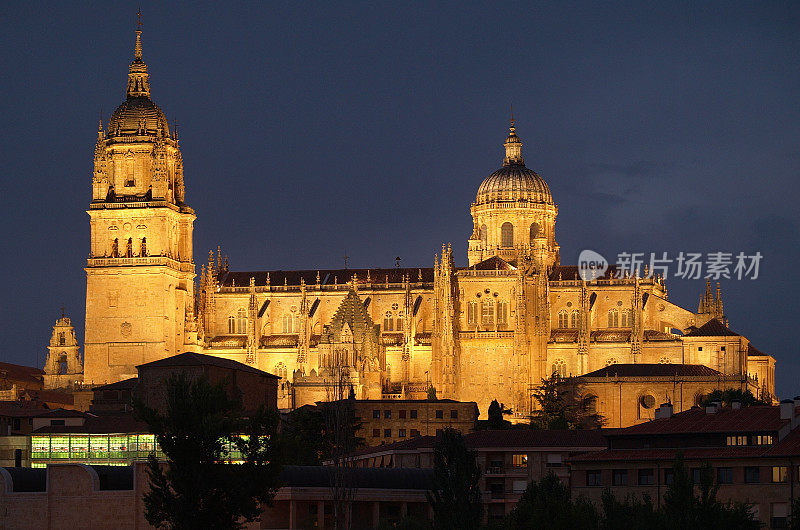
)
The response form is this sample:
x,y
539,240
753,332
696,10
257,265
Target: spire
x,y
513,146
138,83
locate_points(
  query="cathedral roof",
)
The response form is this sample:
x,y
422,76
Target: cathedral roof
x,y
494,263
654,370
514,181
326,276
712,328
352,313
200,359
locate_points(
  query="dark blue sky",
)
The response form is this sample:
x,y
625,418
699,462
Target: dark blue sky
x,y
308,129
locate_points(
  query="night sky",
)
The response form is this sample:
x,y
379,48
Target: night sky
x,y
310,130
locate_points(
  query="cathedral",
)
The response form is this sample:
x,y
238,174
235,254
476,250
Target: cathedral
x,y
491,330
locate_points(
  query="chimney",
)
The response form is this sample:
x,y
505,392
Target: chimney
x,y
787,408
736,404
664,411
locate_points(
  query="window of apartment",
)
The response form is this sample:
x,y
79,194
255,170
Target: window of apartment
x,y
519,486
414,432
696,475
402,414
376,414
669,476
762,439
401,433
453,414
439,414
413,414
752,475
619,477
780,473
387,433
736,440
725,475
646,477
387,414
779,515
519,460
593,477
376,433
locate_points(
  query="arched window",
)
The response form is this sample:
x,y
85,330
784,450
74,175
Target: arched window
x,y
627,318
484,236
472,313
62,338
613,318
502,314
388,322
280,371
288,323
573,319
487,313
144,247
534,231
241,320
115,248
129,248
399,321
507,235
563,319
559,368
231,325
129,178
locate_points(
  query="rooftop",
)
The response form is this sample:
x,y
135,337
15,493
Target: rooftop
x,y
712,328
724,420
654,370
199,359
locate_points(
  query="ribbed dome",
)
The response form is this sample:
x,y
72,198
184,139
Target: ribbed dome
x,y
137,113
514,181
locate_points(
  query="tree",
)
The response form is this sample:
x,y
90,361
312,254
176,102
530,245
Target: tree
x,y
631,514
196,489
561,406
794,520
729,395
547,504
496,413
455,494
432,393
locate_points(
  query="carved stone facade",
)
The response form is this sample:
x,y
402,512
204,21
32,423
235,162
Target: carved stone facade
x,y
491,330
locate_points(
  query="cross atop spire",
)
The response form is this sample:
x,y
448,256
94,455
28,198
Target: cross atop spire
x,y
513,146
137,53
138,79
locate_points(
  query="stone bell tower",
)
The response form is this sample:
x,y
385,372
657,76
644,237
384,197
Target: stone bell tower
x,y
63,368
140,271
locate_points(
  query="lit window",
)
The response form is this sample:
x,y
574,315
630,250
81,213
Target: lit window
x,y
519,460
780,473
507,235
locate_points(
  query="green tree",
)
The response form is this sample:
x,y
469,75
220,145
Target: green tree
x,y
560,405
729,395
196,489
547,504
309,434
794,520
631,514
496,413
455,494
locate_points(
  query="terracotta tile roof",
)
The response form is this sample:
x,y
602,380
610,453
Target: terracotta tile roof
x,y
789,446
22,374
494,263
125,384
327,276
21,409
753,351
199,359
62,413
698,453
712,328
654,370
47,396
725,420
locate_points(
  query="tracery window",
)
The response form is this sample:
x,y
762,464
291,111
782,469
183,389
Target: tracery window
x,y
502,314
563,319
613,318
399,321
231,325
487,313
288,323
627,318
241,320
280,371
115,248
573,319
507,235
472,313
559,368
534,231
388,322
